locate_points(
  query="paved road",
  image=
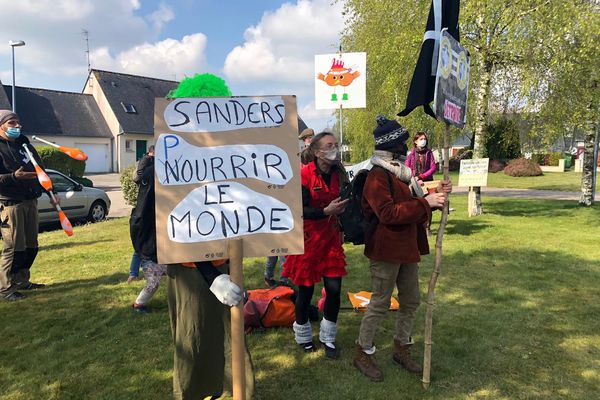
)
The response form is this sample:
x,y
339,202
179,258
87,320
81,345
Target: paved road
x,y
523,193
110,183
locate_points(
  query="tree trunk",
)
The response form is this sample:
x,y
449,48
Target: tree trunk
x,y
481,114
590,163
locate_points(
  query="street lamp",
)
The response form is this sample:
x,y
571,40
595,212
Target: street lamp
x,y
13,44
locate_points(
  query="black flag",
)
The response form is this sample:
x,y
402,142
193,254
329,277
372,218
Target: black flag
x,y
442,14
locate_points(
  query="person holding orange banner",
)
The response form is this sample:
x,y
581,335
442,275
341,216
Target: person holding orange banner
x,y
19,191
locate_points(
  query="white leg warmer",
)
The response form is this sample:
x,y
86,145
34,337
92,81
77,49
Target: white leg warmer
x,y
328,331
303,333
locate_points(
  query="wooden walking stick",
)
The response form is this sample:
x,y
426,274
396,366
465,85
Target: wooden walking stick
x,y
436,270
238,344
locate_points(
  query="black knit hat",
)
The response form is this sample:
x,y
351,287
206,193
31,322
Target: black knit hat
x,y
389,134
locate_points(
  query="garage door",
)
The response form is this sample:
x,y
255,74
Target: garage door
x,y
97,153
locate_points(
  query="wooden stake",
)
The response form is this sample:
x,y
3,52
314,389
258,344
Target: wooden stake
x,y
436,271
238,340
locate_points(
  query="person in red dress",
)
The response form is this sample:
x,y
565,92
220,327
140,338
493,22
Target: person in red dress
x,y
323,258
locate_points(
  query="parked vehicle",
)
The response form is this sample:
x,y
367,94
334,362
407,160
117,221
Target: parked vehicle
x,y
77,201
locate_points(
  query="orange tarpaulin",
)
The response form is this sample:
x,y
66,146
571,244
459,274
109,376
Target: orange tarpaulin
x,y
360,301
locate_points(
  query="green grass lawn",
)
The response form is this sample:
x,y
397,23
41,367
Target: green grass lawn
x,y
517,317
563,181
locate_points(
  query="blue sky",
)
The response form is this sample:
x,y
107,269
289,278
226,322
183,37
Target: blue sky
x,y
257,46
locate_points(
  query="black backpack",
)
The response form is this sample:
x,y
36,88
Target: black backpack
x,y
354,222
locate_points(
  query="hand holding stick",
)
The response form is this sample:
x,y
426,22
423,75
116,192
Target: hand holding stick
x,y
46,183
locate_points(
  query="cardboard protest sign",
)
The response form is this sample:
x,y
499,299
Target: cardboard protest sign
x,y
227,167
473,172
452,81
340,81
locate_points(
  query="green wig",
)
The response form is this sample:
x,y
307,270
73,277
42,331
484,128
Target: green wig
x,y
201,85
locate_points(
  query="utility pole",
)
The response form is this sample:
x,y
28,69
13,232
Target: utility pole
x,y
86,37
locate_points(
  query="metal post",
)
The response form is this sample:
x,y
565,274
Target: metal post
x,y
595,170
341,134
14,101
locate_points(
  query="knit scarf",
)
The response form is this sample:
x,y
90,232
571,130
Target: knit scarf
x,y
385,160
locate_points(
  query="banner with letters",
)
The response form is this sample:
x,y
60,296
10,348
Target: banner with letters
x,y
227,167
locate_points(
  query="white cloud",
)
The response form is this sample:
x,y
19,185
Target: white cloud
x,y
282,46
161,16
167,59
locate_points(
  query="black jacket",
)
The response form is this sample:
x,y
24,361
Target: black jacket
x,y
12,157
142,225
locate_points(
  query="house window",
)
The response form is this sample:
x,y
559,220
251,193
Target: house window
x,y
129,146
129,108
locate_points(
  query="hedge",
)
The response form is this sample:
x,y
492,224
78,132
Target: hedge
x,y
129,187
57,160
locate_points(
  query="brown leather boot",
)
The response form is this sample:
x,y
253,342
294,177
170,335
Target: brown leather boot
x,y
365,364
402,357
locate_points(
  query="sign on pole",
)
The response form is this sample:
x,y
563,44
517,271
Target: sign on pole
x,y
473,172
227,167
452,81
340,81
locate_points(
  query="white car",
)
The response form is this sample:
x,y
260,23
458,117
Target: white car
x,y
77,201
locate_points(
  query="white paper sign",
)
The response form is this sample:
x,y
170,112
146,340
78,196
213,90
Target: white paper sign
x,y
340,81
226,210
224,113
179,163
473,172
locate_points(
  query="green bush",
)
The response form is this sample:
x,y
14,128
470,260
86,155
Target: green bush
x,y
523,167
59,161
129,187
539,158
84,181
502,140
553,158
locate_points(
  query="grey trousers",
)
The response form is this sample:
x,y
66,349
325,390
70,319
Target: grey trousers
x,y
19,227
384,277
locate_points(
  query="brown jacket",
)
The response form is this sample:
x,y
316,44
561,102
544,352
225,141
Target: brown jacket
x,y
400,235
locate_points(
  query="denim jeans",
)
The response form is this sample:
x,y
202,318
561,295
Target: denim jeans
x,y
134,266
270,266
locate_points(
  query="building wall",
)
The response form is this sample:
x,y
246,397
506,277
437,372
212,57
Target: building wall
x,y
93,87
128,156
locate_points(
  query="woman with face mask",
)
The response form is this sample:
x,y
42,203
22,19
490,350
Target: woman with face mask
x,y
421,160
323,258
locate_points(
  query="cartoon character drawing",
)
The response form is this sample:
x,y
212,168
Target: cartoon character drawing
x,y
338,75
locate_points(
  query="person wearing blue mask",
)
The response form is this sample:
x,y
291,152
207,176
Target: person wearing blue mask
x,y
19,191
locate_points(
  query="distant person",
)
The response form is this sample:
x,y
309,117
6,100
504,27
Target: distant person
x,y
19,191
142,227
394,246
136,261
323,258
306,136
421,160
270,265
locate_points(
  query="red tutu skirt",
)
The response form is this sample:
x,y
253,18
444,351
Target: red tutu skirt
x,y
323,254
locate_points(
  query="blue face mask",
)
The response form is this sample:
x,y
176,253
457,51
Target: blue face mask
x,y
13,133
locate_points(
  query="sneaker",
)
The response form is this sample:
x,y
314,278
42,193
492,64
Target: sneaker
x,y
331,351
308,347
32,286
14,296
139,308
271,283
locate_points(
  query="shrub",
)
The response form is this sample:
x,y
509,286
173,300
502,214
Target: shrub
x,y
57,160
523,167
129,187
502,139
539,158
84,181
553,158
496,166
